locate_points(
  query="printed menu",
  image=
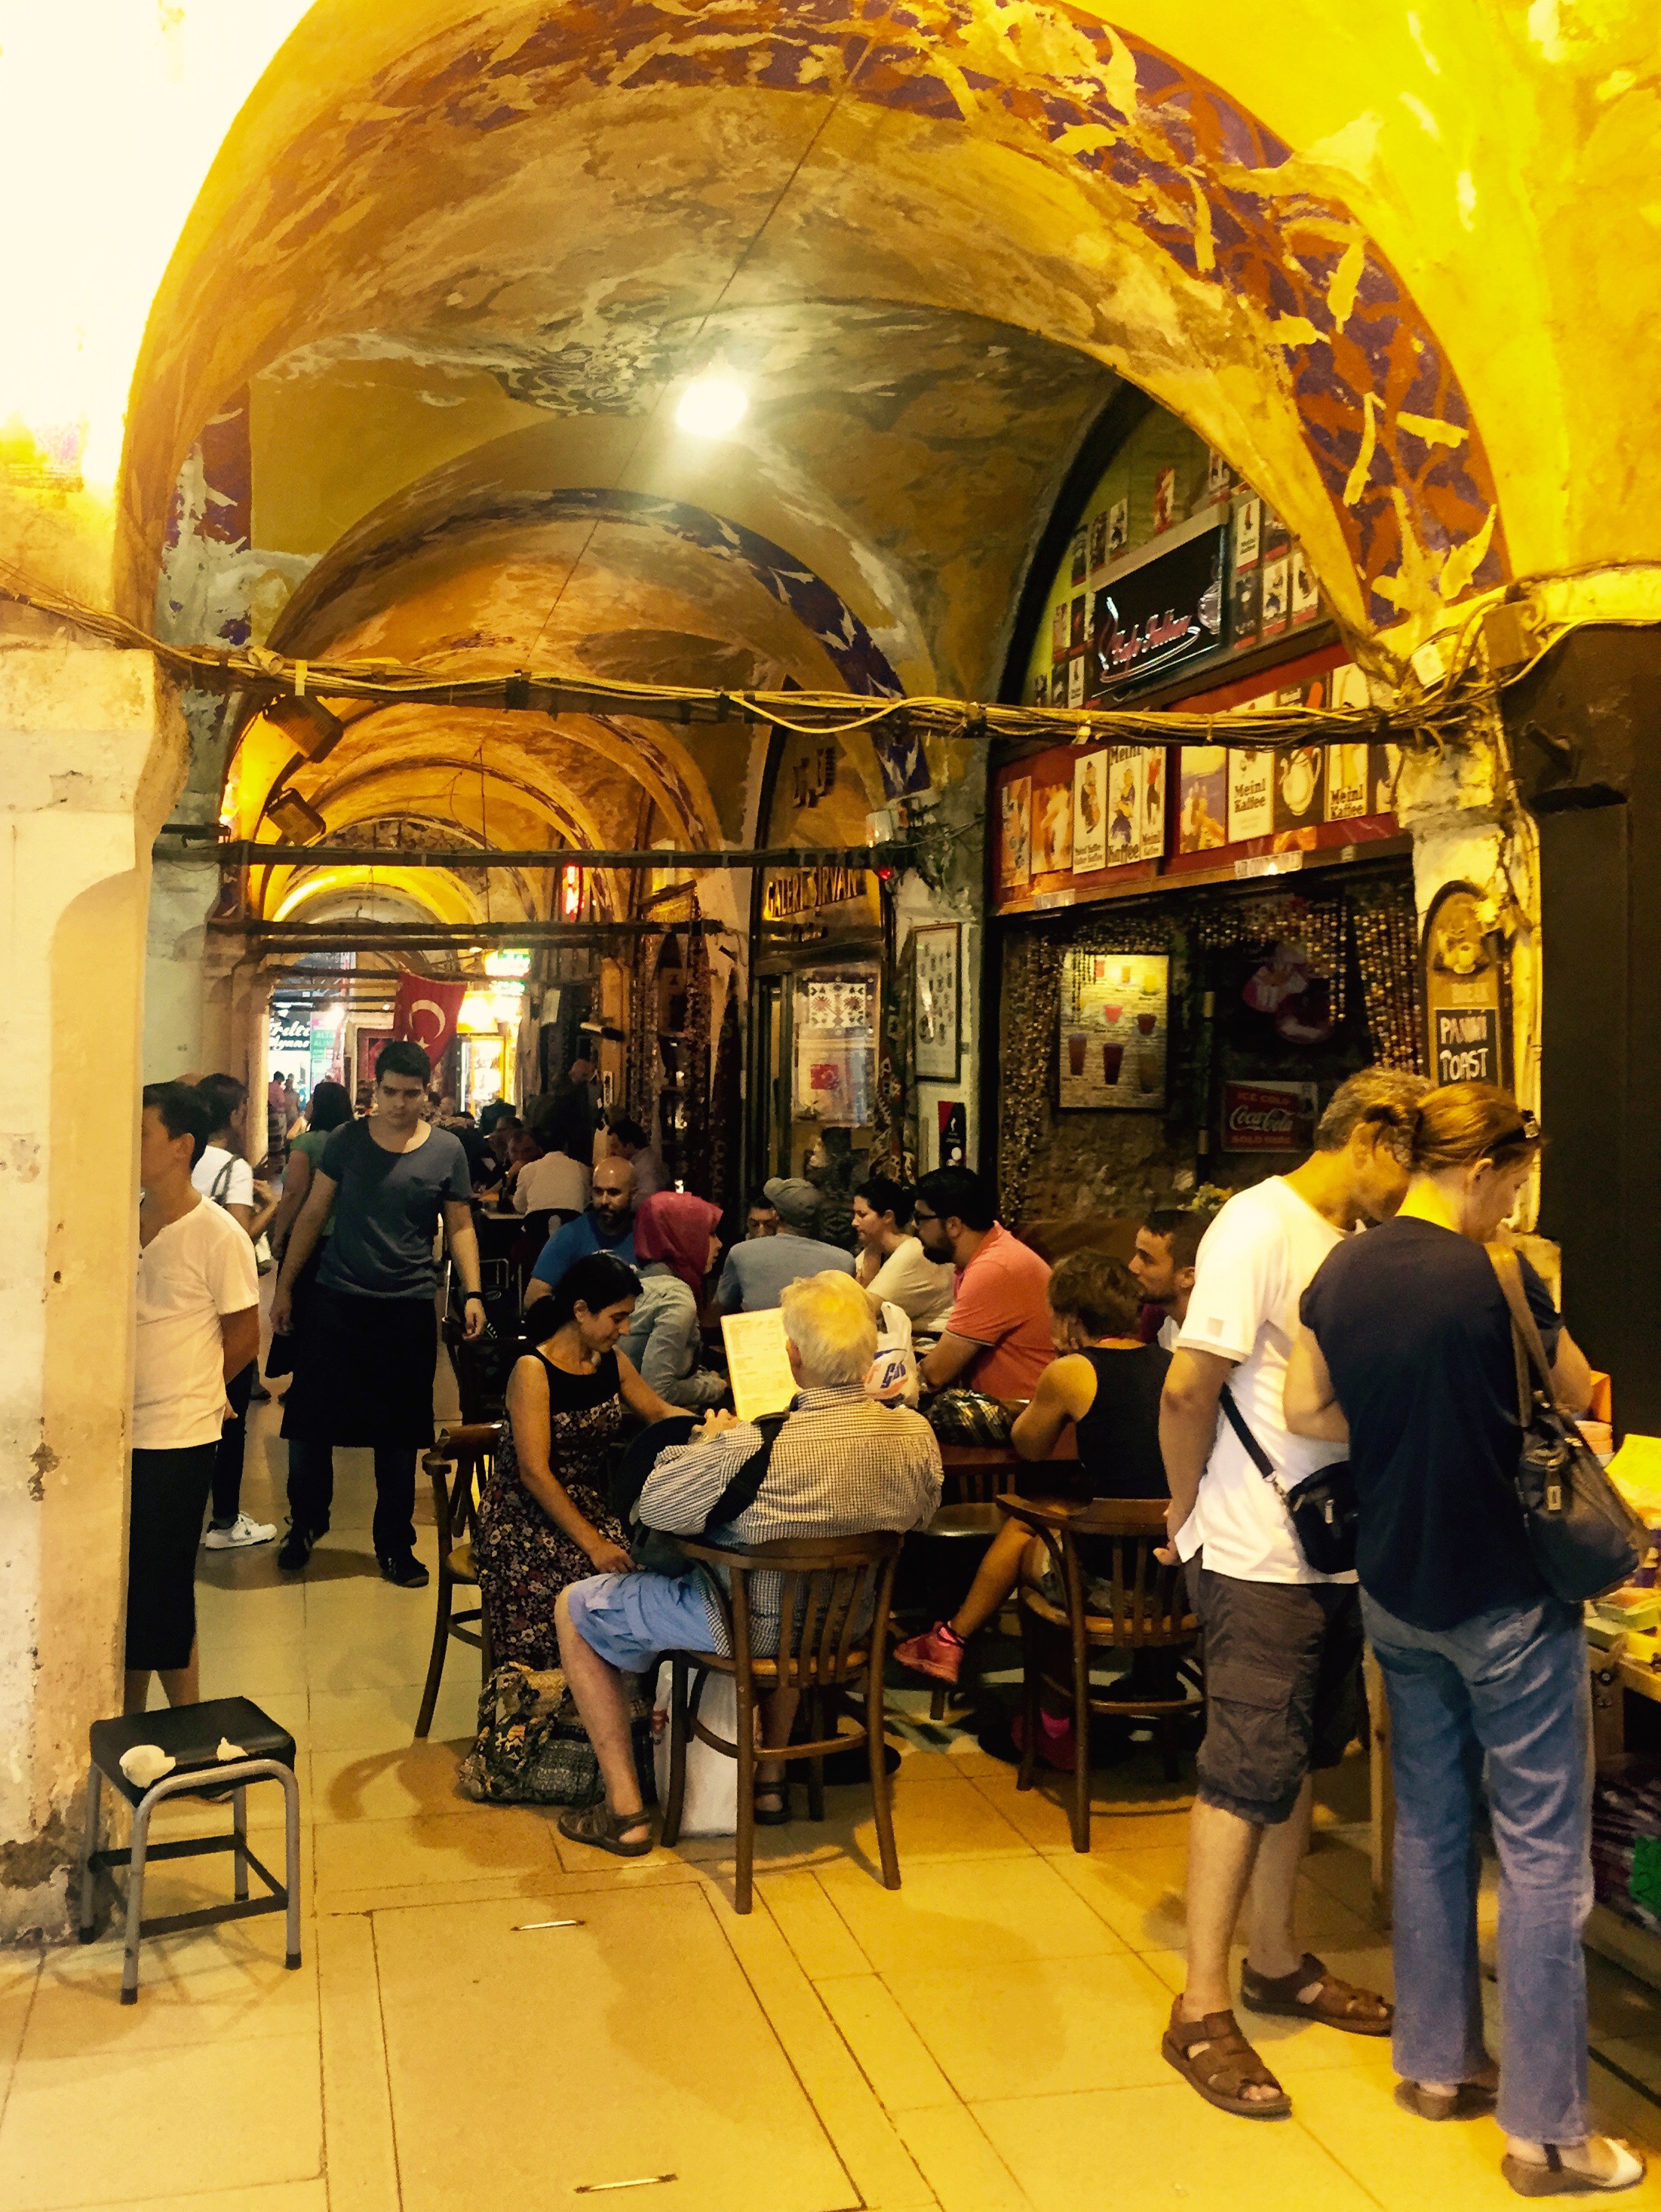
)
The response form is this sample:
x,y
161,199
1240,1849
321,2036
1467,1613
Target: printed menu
x,y
758,1363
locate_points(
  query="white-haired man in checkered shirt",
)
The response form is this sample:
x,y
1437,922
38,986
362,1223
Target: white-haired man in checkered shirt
x,y
841,1465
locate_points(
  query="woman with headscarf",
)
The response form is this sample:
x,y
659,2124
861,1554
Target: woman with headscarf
x,y
675,1248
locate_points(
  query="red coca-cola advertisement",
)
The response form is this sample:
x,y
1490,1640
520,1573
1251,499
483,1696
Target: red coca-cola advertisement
x,y
1269,1117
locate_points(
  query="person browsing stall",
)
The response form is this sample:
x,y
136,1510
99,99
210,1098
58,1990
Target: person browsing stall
x,y
1282,1640
1405,1354
198,1326
607,1225
759,1270
997,1338
891,1264
368,1347
841,1465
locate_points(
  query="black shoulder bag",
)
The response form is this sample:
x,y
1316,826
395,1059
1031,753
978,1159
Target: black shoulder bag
x,y
655,1551
1322,1508
1585,1537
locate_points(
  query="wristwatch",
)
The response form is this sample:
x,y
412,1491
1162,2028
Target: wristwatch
x,y
479,1295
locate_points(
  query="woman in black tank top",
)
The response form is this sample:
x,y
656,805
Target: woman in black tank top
x,y
1106,1383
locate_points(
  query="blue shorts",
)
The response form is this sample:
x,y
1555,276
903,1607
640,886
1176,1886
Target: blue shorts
x,y
629,1619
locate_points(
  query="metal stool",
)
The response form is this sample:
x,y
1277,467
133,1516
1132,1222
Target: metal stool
x,y
191,1735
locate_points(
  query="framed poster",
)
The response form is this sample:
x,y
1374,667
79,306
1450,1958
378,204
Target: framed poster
x,y
1089,812
1015,832
1153,791
939,1000
1114,1013
1251,795
1203,799
1124,806
1052,829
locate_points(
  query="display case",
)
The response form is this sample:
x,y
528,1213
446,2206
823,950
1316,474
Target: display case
x,y
833,1085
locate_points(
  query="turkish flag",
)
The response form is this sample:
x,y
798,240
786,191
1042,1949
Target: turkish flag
x,y
427,1012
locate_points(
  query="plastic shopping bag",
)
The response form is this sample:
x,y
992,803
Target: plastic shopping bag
x,y
711,1805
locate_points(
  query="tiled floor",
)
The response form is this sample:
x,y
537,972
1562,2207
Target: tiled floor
x,y
984,2040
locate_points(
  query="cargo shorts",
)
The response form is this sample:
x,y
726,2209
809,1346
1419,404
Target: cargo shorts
x,y
1283,1689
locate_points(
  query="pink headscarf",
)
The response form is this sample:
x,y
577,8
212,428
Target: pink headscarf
x,y
675,1227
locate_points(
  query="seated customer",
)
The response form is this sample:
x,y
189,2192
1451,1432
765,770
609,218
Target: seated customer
x,y
548,1180
675,1248
841,1465
997,1339
1106,1384
758,1270
891,1264
761,1217
607,1225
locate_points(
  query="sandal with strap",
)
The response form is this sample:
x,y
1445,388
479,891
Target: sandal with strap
x,y
772,1815
1466,2101
1554,2179
1310,1992
1213,2056
605,1831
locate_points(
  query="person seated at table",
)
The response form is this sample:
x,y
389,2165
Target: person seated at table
x,y
758,1269
1104,1386
841,1465
607,1225
544,1520
761,1217
675,1248
996,1342
548,1179
891,1264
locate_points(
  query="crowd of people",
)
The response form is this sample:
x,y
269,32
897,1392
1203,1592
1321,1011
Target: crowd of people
x,y
1228,1360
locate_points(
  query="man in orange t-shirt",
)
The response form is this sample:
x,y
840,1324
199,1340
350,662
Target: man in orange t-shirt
x,y
997,1338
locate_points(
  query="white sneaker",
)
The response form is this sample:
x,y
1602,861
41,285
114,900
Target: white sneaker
x,y
241,1531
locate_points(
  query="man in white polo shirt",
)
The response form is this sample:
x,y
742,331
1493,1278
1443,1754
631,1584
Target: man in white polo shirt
x,y
198,1325
1282,1642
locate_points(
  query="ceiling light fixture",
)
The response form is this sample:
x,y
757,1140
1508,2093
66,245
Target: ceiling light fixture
x,y
713,405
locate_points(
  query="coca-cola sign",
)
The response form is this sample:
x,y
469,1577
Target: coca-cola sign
x,y
1269,1117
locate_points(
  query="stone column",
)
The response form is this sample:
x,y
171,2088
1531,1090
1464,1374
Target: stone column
x,y
92,748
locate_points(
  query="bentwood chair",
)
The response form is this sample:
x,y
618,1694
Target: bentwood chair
x,y
1148,1611
459,1467
834,1599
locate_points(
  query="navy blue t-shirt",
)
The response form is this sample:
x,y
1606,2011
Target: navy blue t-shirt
x,y
1417,1335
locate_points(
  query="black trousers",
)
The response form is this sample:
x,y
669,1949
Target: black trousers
x,y
233,1444
311,1492
169,1490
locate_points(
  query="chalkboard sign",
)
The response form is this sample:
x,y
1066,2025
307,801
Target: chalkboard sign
x,y
1467,1044
1465,991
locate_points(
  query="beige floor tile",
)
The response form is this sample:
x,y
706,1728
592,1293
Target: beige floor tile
x,y
958,2162
892,2054
383,1785
1043,1816
934,1820
19,1971
882,2172
202,2116
271,2197
1010,1908
816,1932
1164,2146
1039,2026
388,1859
360,2150
384,1719
1138,1894
709,2095
208,1985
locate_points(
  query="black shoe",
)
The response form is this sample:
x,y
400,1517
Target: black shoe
x,y
406,1570
297,1549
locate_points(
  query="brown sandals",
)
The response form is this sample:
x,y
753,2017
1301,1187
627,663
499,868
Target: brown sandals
x,y
1466,2101
607,1832
1309,1992
1213,2056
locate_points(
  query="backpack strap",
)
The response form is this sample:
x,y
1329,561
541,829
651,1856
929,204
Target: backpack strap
x,y
221,1181
743,1488
1254,1451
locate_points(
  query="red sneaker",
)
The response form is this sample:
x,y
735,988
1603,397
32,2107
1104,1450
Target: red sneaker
x,y
1057,1744
938,1653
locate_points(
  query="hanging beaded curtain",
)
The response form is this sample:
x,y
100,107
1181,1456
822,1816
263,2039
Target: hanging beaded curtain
x,y
698,1133
727,1103
1031,1014
639,1067
1387,924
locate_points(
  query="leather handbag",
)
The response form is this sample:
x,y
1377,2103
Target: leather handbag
x,y
1321,1508
1583,1536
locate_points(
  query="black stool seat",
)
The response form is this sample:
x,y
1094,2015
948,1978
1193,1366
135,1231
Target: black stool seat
x,y
191,1735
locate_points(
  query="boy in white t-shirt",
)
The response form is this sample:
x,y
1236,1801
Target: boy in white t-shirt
x,y
225,1177
1282,1642
198,1325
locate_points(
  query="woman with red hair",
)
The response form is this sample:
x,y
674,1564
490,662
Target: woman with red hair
x,y
675,1248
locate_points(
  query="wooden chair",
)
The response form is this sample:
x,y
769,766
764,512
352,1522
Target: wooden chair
x,y
459,1465
834,1601
1149,1613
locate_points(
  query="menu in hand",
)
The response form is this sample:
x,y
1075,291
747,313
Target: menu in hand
x,y
758,1363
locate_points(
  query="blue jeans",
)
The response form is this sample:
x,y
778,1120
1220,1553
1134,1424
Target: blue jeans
x,y
1511,1687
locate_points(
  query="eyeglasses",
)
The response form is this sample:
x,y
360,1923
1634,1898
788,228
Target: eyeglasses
x,y
917,1214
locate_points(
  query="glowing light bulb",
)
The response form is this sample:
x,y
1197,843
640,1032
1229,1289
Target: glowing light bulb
x,y
712,405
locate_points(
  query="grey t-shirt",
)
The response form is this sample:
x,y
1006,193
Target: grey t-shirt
x,y
759,1270
386,1211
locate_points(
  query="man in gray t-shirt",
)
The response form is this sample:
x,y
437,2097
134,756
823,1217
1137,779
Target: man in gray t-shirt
x,y
759,1270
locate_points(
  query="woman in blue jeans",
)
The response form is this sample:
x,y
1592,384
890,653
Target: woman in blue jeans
x,y
1405,1351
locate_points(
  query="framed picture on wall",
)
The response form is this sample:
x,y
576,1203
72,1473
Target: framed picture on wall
x,y
939,1000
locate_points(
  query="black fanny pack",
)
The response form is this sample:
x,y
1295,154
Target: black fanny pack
x,y
1322,1508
